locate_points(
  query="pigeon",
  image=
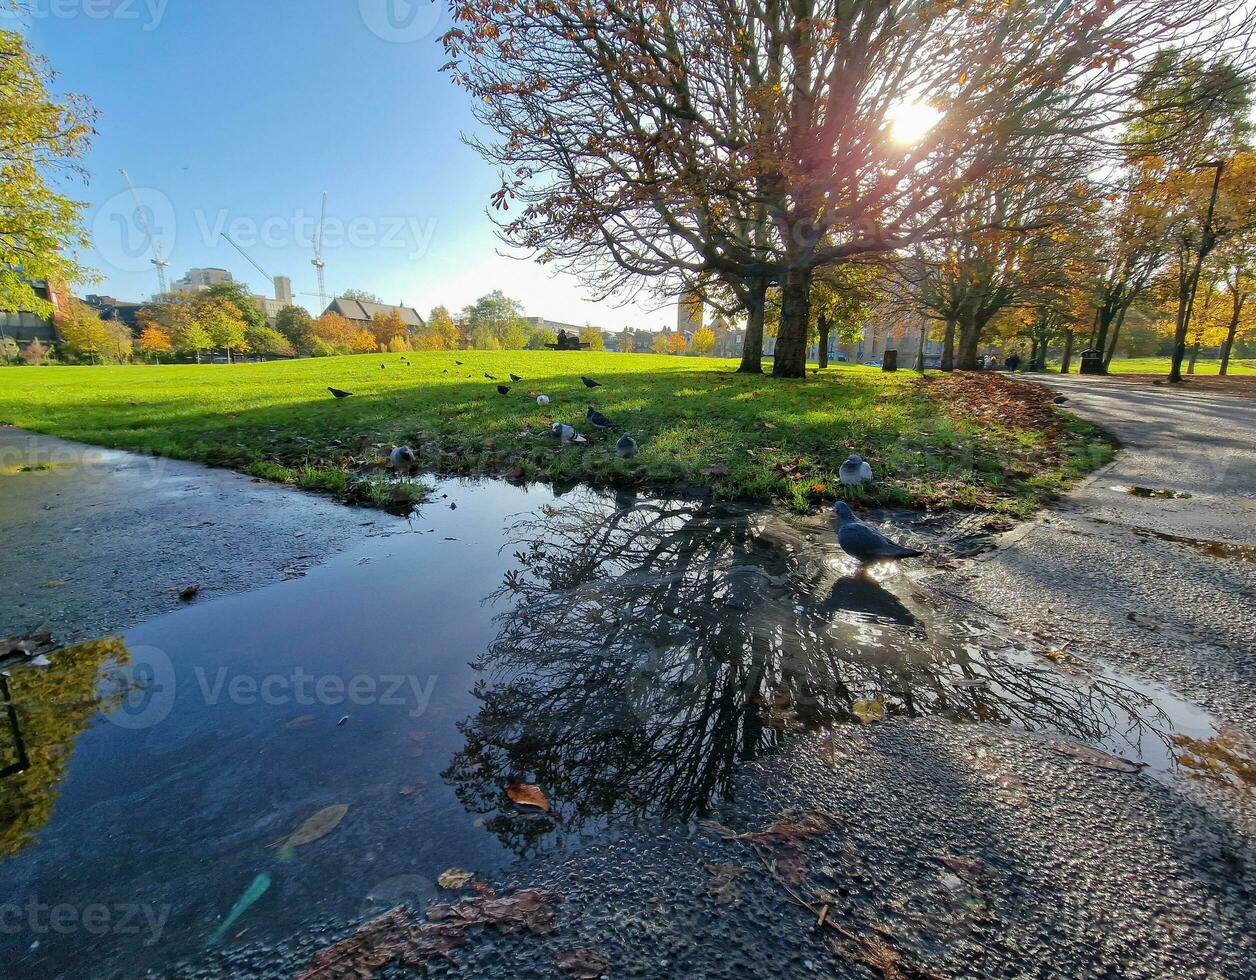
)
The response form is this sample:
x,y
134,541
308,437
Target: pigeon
x,y
383,367
337,393
542,399
626,447
864,542
563,431
854,472
459,363
515,378
489,376
590,383
1060,400
598,420
503,389
403,459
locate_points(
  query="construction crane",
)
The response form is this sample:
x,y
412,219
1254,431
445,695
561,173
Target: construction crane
x,y
232,242
318,263
158,259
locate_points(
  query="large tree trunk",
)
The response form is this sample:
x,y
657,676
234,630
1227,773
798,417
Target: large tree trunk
x,y
791,338
948,346
969,341
1103,324
752,350
1186,299
1067,359
1190,367
1230,334
822,326
1116,335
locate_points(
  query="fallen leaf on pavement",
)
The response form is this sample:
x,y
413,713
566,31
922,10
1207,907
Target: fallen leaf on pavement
x,y
455,878
586,964
527,795
868,710
1101,760
317,826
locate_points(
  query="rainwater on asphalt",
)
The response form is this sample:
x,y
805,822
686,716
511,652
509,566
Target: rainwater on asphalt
x,y
622,653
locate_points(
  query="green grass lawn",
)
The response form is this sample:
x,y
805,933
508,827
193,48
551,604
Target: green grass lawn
x,y
698,423
1160,365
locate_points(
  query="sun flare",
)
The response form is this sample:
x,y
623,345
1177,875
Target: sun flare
x,y
911,121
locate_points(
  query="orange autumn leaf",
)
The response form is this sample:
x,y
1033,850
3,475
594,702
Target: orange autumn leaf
x,y
526,795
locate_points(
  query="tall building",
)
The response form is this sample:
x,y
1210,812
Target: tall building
x,y
283,290
198,280
689,314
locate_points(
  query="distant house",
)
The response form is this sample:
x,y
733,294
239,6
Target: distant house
x,y
25,326
360,313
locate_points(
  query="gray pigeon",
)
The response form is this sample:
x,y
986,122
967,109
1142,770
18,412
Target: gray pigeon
x,y
854,472
403,459
626,447
864,542
598,420
563,431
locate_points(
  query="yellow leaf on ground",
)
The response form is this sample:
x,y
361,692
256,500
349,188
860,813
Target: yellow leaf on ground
x,y
869,710
455,878
319,825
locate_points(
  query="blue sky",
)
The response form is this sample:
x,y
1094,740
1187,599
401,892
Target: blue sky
x,y
236,116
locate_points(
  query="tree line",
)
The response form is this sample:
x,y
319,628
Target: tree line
x,y
740,150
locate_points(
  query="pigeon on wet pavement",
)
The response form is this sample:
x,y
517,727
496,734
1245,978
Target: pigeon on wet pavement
x,y
598,420
403,459
338,392
626,447
864,542
590,383
854,472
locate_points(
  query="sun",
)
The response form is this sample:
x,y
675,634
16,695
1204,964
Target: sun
x,y
910,121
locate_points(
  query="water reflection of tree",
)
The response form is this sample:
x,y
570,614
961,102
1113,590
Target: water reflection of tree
x,y
650,647
46,710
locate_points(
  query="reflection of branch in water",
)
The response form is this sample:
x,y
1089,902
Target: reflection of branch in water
x,y
51,707
649,648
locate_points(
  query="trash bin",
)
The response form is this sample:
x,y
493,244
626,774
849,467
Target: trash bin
x,y
889,360
1091,362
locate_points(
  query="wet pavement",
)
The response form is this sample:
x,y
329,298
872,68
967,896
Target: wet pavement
x,y
228,787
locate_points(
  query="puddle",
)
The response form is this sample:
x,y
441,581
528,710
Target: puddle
x,y
624,654
1213,549
1155,492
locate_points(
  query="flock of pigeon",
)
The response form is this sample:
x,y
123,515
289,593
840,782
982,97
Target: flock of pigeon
x,y
861,541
